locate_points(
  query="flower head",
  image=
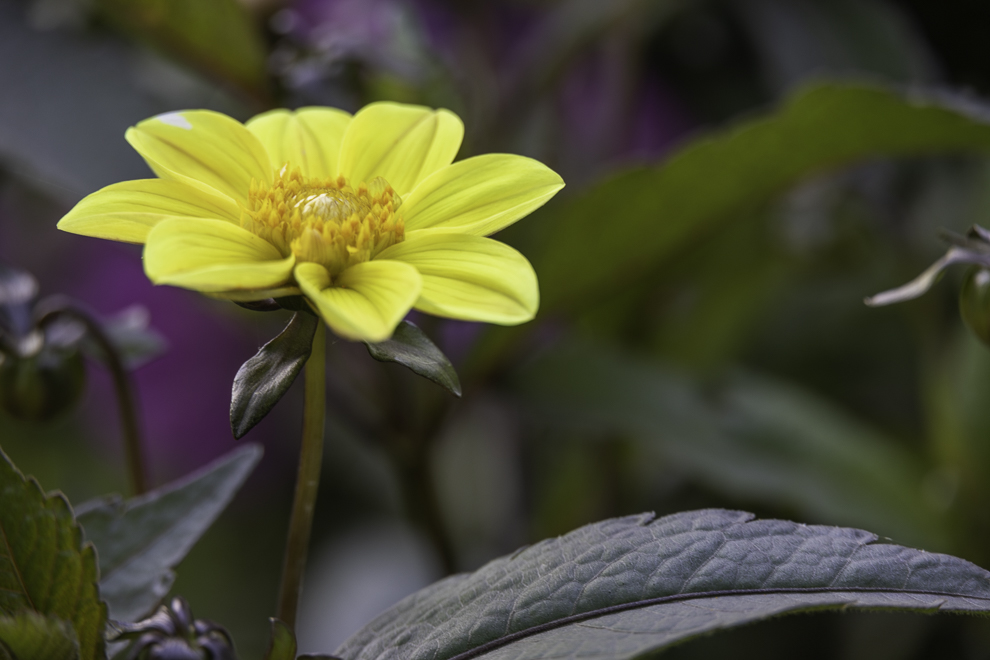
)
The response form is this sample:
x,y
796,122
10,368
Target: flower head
x,y
366,216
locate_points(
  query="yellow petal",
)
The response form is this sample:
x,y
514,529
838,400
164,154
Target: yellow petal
x,y
402,143
308,138
366,301
127,211
469,277
481,195
213,256
202,147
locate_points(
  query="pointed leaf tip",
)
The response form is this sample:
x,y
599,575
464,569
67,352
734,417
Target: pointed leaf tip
x,y
265,378
410,347
142,539
921,284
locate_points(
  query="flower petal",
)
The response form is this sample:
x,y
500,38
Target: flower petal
x,y
481,195
201,147
308,138
469,277
366,302
127,211
213,256
402,143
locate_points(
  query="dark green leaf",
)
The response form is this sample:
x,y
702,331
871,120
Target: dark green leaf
x,y
141,540
44,565
718,178
282,645
410,347
266,377
627,586
218,37
30,636
750,437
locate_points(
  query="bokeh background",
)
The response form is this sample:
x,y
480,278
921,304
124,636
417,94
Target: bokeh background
x,y
738,369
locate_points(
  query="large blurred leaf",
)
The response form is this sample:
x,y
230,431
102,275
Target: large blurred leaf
x,y
30,636
44,565
719,292
750,438
622,587
218,37
141,540
69,96
629,223
798,38
957,396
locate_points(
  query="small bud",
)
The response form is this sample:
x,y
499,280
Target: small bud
x,y
42,382
974,302
171,633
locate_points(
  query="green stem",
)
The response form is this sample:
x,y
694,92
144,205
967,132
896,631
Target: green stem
x,y
48,310
307,481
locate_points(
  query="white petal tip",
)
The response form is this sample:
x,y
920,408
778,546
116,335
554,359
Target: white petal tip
x,y
175,119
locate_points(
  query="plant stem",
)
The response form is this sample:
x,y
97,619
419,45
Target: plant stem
x,y
55,306
307,481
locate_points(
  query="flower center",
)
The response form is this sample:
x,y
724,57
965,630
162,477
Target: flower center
x,y
326,221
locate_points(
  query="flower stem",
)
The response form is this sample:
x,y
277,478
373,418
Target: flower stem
x,y
51,308
307,481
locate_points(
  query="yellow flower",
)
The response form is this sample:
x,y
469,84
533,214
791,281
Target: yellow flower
x,y
364,215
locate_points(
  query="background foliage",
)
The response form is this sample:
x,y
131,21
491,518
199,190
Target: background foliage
x,y
740,175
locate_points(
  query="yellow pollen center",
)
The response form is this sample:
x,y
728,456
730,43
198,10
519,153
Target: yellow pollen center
x,y
326,221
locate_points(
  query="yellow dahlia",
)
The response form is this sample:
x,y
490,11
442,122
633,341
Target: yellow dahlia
x,y
365,215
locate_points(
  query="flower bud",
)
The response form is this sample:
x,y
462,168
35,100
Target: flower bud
x,y
42,381
974,302
171,633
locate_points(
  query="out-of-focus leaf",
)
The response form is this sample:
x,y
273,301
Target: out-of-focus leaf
x,y
68,98
31,636
282,645
266,377
630,223
751,438
624,587
44,565
799,38
218,37
142,539
131,332
960,421
410,347
718,293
